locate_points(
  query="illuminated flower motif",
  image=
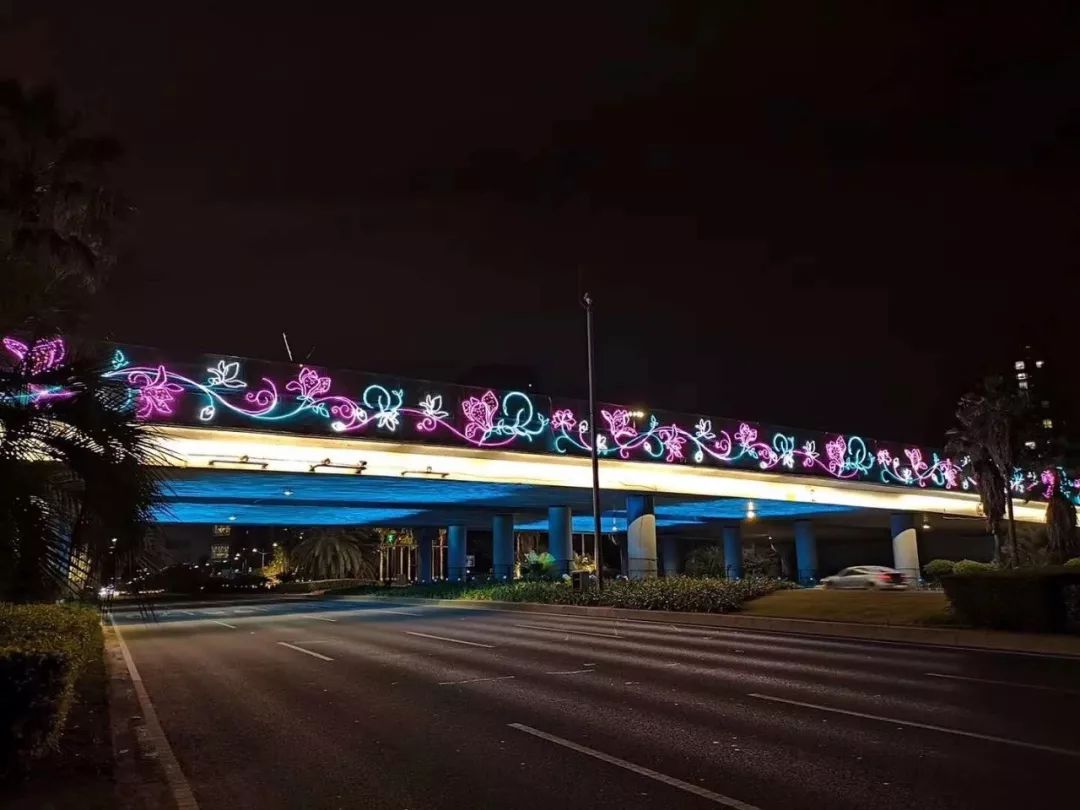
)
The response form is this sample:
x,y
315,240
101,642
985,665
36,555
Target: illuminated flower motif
x,y
206,413
480,413
563,420
884,458
601,444
1049,480
226,375
619,424
951,473
810,454
768,458
1017,482
155,394
837,453
914,455
745,436
673,442
309,384
431,407
703,429
119,360
43,356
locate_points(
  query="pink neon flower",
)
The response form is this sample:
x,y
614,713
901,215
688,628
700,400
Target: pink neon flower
x,y
1049,480
673,442
745,436
309,384
810,454
951,473
914,455
155,394
836,450
619,424
480,413
563,420
884,458
43,356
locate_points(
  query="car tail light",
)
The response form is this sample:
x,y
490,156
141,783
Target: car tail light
x,y
885,577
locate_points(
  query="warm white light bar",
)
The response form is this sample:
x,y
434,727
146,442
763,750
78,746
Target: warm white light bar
x,y
197,447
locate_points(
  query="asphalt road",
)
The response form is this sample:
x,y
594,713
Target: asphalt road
x,y
357,704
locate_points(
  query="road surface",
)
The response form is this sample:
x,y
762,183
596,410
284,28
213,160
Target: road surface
x,y
350,704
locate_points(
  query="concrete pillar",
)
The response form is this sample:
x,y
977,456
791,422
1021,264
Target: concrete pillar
x,y
806,552
905,545
425,538
455,552
669,555
640,537
502,546
560,531
733,552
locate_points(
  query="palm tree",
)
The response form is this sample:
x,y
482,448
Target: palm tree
x,y
57,212
993,423
336,553
77,474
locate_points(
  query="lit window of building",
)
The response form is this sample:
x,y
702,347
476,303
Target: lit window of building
x,y
1048,424
1021,376
1029,445
1046,403
1019,365
1023,385
1038,364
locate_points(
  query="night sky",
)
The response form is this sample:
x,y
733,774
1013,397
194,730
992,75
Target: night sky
x,y
832,215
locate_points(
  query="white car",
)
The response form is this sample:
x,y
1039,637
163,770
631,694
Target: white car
x,y
877,577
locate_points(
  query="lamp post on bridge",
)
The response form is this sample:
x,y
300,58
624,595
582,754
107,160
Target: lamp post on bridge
x,y
586,301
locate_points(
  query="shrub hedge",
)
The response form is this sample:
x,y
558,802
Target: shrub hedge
x,y
973,567
1034,600
43,650
936,569
695,594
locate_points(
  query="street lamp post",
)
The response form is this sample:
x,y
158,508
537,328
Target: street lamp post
x,y
586,300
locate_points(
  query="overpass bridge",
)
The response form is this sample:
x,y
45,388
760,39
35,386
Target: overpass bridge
x,y
259,442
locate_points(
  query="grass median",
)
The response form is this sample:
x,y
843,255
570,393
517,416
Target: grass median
x,y
911,608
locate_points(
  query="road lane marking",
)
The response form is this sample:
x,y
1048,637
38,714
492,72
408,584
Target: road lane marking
x,y
309,652
477,680
975,735
1015,684
224,624
571,672
404,612
452,640
553,629
174,777
718,798
323,619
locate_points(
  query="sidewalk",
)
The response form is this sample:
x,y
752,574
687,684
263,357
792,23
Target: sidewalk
x,y
968,639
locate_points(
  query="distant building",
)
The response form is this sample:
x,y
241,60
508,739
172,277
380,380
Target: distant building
x,y
1036,381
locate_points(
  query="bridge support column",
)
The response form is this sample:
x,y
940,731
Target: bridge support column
x,y
560,537
669,556
640,537
733,566
905,545
502,546
455,552
806,562
425,539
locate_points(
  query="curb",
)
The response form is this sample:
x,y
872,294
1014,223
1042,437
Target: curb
x,y
957,638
